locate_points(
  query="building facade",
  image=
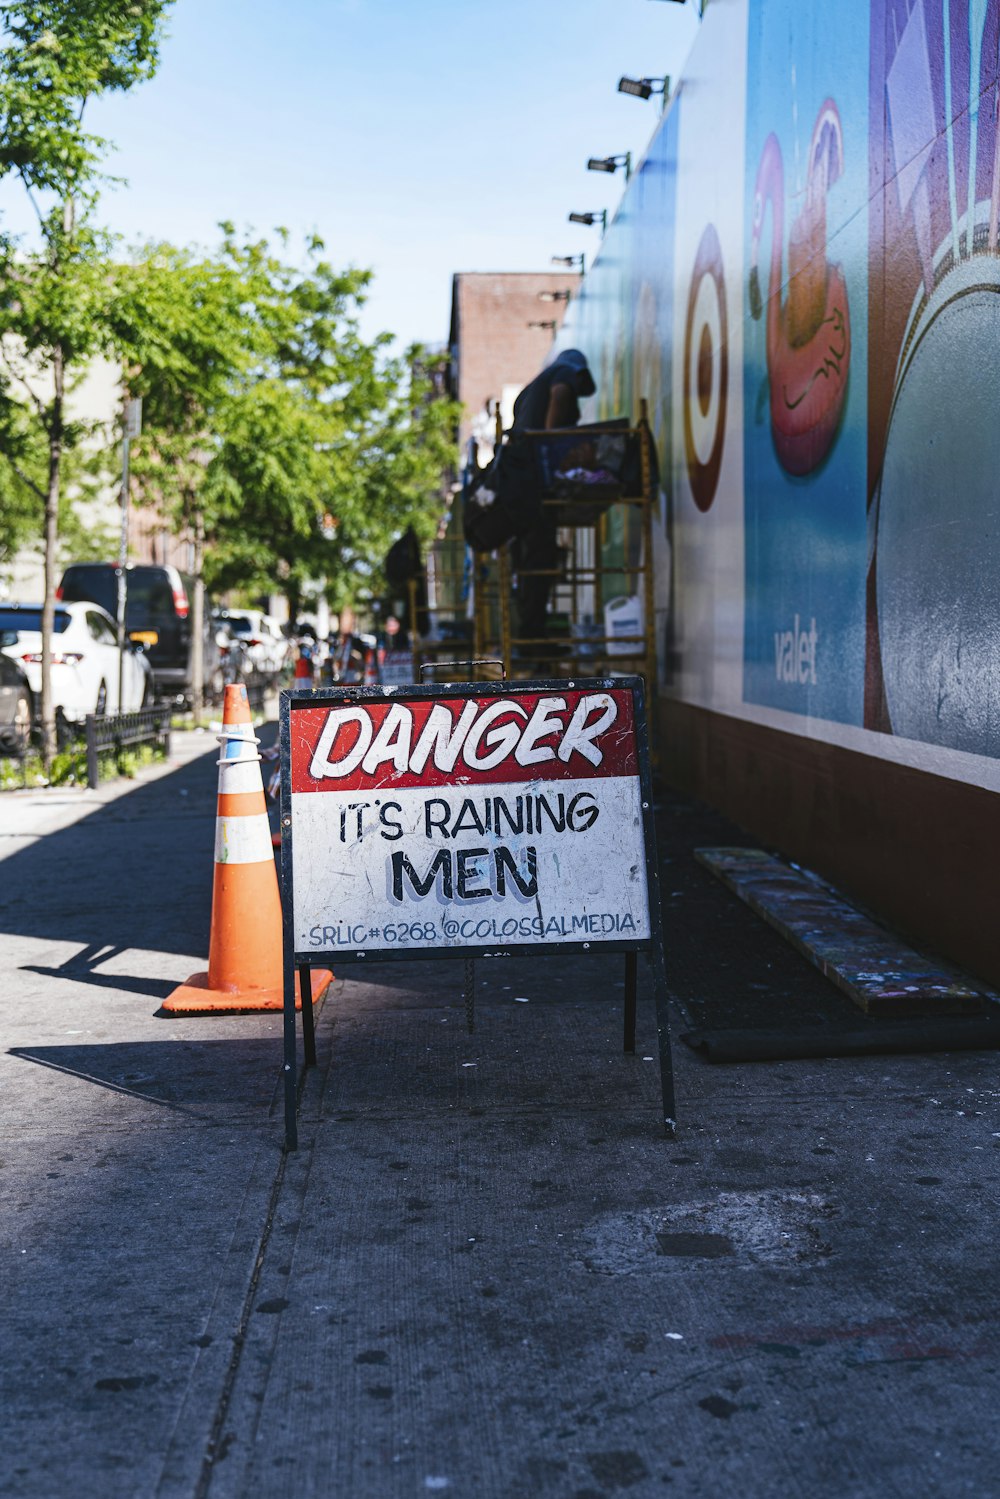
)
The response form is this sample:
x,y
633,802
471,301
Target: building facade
x,y
97,402
502,323
803,282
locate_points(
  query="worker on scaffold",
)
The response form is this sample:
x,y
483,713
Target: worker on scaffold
x,y
550,401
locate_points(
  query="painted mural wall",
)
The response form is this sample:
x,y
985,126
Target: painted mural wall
x,y
803,281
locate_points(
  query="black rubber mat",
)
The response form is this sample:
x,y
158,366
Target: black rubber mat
x,y
868,1039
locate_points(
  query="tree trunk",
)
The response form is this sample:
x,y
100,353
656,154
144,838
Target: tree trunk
x,y
198,619
293,594
55,436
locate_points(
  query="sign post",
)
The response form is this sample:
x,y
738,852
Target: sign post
x,y
468,820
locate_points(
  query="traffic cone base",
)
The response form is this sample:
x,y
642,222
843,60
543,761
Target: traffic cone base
x,y
196,998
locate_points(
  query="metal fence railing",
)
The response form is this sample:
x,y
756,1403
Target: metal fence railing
x,y
15,746
103,737
121,731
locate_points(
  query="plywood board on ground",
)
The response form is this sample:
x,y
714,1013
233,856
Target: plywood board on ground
x,y
879,972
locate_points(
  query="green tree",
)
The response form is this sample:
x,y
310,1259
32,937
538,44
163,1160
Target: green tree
x,y
22,468
57,295
193,341
287,446
405,453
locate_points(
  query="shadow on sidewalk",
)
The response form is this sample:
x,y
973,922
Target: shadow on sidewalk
x,y
136,873
82,968
204,1080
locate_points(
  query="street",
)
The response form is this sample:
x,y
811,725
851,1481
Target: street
x,y
485,1272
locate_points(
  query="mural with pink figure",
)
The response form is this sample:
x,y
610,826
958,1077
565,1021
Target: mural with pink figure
x,y
805,353
804,279
809,333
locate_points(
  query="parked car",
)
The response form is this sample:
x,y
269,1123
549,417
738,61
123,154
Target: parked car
x,y
157,604
84,658
16,706
261,636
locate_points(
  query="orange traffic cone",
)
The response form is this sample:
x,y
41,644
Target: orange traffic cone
x,y
245,950
303,670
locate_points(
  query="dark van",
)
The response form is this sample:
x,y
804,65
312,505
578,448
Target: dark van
x,y
157,601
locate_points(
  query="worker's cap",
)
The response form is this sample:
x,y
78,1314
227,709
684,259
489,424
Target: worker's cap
x,y
583,380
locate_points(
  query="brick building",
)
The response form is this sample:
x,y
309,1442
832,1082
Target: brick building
x,y
494,348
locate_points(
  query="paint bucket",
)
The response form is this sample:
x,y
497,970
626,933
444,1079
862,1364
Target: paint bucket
x,y
623,618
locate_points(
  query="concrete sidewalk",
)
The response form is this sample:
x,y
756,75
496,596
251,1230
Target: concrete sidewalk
x,y
485,1273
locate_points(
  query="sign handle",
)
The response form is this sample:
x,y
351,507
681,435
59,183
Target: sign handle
x,y
450,665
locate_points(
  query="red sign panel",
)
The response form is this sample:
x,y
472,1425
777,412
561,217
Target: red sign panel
x,y
400,743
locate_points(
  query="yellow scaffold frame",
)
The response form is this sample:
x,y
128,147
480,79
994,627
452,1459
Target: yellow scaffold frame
x,y
579,579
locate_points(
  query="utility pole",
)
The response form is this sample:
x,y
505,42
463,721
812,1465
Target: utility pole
x,y
133,426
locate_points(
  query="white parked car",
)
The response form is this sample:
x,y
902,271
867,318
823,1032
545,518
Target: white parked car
x,y
84,658
260,634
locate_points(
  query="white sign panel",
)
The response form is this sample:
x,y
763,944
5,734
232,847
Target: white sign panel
x,y
504,819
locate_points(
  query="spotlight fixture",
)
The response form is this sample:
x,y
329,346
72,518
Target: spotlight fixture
x,y
544,323
644,88
599,216
611,163
554,296
569,260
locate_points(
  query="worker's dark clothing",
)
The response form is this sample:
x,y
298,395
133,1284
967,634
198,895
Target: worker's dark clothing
x,y
534,547
532,406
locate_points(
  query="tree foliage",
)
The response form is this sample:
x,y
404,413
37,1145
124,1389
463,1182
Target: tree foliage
x,y
55,304
288,446
56,56
301,448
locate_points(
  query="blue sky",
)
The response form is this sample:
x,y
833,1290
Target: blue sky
x,y
418,137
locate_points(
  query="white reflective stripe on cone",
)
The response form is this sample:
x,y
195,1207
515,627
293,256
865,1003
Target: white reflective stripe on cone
x,y
239,776
237,745
243,840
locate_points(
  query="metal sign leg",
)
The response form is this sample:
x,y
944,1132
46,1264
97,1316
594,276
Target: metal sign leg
x,y
290,1062
659,973
308,1022
631,986
469,994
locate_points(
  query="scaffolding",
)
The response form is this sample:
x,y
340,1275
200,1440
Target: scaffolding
x,y
604,540
605,557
